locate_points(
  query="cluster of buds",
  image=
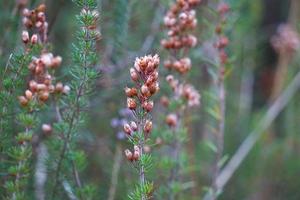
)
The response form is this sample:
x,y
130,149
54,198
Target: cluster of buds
x,y
35,18
133,156
184,91
180,20
27,39
222,41
41,85
182,65
145,76
286,40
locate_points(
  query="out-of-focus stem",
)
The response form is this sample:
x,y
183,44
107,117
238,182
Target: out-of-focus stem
x,y
115,172
220,133
280,75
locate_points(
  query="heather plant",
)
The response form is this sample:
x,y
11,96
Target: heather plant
x,y
217,93
41,65
144,74
180,22
64,128
69,110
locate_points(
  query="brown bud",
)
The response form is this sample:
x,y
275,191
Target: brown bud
x,y
168,64
41,87
148,106
33,86
47,129
44,96
218,29
56,61
41,8
34,39
171,120
133,74
131,104
131,92
59,87
148,126
223,42
133,126
127,129
23,101
136,155
128,155
164,101
144,89
154,88
28,94
25,37
39,69
31,66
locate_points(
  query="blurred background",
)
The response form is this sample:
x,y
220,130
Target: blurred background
x,y
133,28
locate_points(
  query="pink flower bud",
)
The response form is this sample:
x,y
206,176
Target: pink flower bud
x,y
56,61
128,155
144,89
127,129
171,120
66,89
148,126
136,155
46,128
28,94
136,148
25,37
131,104
133,126
133,74
34,39
148,106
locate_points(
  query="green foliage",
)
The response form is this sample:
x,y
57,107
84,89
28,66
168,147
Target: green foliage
x,y
82,76
141,190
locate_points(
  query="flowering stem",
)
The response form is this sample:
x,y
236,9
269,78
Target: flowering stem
x,y
115,172
220,134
